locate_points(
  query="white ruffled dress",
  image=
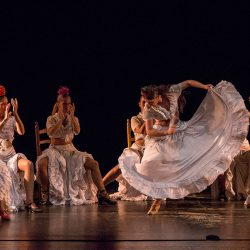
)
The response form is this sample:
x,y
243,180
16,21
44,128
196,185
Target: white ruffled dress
x,y
69,181
11,180
174,166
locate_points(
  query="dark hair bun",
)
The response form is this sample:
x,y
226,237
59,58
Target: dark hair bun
x,y
149,92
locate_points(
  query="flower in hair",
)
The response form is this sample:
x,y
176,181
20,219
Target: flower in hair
x,y
63,90
2,90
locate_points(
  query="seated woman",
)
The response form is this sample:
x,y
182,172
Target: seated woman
x,y
237,177
126,191
5,189
12,163
73,177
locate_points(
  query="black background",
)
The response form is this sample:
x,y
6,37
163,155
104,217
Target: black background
x,y
104,52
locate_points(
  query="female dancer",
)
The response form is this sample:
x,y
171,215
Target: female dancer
x,y
5,189
73,177
12,163
187,157
126,191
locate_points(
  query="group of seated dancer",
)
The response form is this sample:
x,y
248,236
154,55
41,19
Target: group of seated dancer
x,y
169,159
66,175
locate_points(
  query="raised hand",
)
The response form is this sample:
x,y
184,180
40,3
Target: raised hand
x,y
55,108
60,110
171,130
209,86
14,104
7,112
72,110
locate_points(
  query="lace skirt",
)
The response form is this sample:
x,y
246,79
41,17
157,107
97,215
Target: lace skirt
x,y
11,181
69,181
187,162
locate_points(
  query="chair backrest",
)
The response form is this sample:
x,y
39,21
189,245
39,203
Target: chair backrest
x,y
39,141
130,135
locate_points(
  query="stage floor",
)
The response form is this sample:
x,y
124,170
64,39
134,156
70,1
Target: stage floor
x,y
180,224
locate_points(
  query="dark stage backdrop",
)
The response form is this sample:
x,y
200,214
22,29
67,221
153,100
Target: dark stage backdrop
x,y
106,51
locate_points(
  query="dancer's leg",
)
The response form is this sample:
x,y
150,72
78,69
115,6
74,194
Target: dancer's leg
x,y
111,175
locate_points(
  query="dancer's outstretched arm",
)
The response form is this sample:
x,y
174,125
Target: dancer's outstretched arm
x,y
195,84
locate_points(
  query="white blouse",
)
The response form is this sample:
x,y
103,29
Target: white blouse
x,y
8,130
65,132
135,122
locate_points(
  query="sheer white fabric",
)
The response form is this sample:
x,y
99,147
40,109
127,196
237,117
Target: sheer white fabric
x,y
7,131
11,181
69,182
134,153
125,190
5,183
174,166
64,132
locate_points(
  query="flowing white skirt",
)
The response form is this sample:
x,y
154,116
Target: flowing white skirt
x,y
69,181
125,191
187,162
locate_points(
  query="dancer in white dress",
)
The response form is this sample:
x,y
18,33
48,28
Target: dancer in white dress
x,y
14,189
73,177
5,189
189,156
126,191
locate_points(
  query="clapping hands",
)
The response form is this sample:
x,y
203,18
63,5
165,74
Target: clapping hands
x,y
7,112
65,114
14,104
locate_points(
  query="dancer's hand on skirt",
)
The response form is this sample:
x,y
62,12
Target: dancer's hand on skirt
x,y
209,86
171,130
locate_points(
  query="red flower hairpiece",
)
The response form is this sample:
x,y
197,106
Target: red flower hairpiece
x,y
2,90
63,90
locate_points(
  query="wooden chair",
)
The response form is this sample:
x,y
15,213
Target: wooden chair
x,y
39,141
39,133
130,135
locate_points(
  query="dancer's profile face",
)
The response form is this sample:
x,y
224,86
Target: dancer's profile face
x,y
155,101
3,104
142,103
